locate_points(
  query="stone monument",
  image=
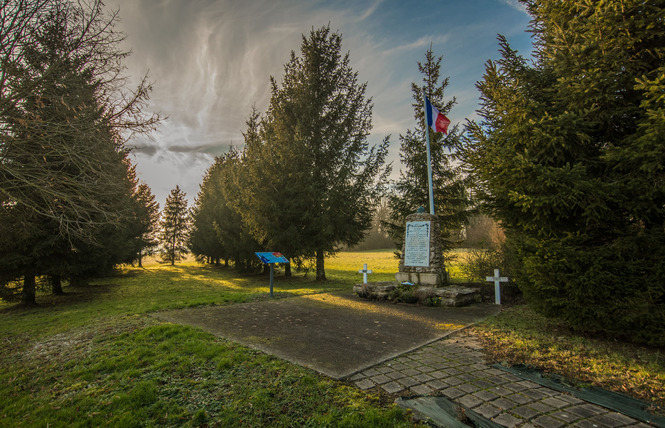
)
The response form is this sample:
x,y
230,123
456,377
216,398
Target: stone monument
x,y
422,266
422,256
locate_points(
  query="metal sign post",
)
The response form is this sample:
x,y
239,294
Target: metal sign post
x,y
272,276
270,258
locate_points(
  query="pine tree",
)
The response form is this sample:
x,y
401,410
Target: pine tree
x,y
203,242
411,190
569,157
319,180
63,112
265,191
59,148
55,57
175,226
232,232
218,231
146,223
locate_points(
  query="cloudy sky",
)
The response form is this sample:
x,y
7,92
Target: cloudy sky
x,y
211,60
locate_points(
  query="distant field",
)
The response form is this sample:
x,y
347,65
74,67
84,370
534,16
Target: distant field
x,y
346,265
384,264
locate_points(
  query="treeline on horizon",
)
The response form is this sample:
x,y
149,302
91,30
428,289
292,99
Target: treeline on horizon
x,y
568,157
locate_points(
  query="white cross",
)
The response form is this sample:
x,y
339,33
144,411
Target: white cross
x,y
497,286
364,271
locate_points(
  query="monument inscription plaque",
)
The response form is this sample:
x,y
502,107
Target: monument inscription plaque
x,y
421,261
416,244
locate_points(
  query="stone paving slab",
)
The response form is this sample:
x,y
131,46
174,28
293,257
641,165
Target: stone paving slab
x,y
502,398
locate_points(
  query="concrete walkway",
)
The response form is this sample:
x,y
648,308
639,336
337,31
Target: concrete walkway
x,y
336,334
402,349
454,368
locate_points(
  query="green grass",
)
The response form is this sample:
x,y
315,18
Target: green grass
x,y
345,266
94,357
155,287
384,265
171,375
519,336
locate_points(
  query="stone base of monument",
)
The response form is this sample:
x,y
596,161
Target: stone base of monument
x,y
432,279
375,290
452,295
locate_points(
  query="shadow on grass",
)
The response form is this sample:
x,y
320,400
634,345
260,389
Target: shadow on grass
x,y
81,294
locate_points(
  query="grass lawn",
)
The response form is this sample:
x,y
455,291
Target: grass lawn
x,y
95,357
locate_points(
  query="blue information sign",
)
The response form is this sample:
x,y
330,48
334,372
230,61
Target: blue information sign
x,y
271,257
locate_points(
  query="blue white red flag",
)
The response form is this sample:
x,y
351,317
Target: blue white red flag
x,y
435,119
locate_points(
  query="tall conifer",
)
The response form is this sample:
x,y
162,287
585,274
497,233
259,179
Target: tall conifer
x,y
569,157
175,226
146,226
317,177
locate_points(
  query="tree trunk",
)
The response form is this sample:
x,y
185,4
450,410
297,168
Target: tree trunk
x,y
28,292
173,251
140,258
56,285
226,263
320,269
287,269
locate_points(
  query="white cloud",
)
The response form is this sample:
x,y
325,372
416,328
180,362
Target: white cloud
x,y
370,10
210,61
516,4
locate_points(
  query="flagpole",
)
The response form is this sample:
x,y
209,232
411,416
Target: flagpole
x,y
429,156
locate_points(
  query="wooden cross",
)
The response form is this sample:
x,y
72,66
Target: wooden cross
x,y
497,285
364,271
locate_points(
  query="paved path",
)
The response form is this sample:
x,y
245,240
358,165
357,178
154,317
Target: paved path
x,y
453,367
336,334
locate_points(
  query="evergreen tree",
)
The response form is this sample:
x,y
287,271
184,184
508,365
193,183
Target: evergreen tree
x,y
109,244
264,192
314,181
63,112
377,237
232,232
203,242
569,157
59,147
218,231
411,190
211,210
175,226
146,223
55,56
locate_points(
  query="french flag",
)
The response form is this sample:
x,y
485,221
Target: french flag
x,y
435,119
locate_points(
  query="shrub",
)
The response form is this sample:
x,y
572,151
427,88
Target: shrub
x,y
404,293
479,264
615,290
